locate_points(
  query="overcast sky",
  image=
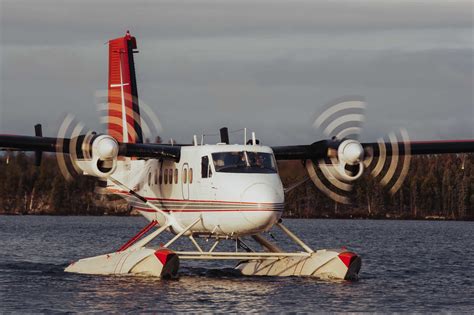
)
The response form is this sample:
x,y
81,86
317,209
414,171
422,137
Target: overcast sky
x,y
265,65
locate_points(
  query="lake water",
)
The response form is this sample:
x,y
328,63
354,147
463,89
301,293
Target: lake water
x,y
407,266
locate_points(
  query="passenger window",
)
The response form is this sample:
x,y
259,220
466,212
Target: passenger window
x,y
185,176
175,175
170,176
156,177
190,175
149,179
166,176
160,178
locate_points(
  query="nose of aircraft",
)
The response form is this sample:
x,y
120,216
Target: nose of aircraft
x,y
261,193
265,205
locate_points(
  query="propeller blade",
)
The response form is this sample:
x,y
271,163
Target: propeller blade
x,y
38,154
342,118
72,146
150,125
390,161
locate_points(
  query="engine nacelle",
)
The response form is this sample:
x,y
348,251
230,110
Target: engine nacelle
x,y
347,172
350,155
99,156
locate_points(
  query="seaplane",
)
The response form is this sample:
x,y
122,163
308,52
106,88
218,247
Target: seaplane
x,y
219,192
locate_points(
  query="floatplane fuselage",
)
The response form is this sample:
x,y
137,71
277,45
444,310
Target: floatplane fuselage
x,y
234,189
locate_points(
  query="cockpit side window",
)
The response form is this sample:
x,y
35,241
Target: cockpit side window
x,y
205,167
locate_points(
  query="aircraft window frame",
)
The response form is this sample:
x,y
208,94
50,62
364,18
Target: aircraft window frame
x,y
170,176
149,178
166,176
190,175
185,176
208,172
244,162
156,177
176,176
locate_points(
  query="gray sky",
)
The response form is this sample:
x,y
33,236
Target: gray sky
x,y
265,65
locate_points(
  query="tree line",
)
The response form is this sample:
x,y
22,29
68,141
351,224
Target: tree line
x,y
437,186
28,189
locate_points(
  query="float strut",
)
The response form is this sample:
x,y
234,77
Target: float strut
x,y
182,232
295,238
148,238
138,236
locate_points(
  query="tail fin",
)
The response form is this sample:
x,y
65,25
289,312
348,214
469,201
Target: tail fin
x,y
124,122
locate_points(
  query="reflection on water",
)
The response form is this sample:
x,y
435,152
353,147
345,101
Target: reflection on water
x,y
185,294
407,266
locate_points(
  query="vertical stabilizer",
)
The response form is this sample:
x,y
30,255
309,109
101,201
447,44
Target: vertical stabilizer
x,y
124,122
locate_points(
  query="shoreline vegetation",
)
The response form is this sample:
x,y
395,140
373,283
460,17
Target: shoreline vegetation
x,y
438,187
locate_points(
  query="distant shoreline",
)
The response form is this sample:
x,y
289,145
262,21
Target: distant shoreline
x,y
437,188
339,217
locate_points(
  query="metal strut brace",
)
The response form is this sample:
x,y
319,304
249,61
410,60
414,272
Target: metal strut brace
x,y
214,246
139,197
237,256
294,238
195,243
149,238
244,246
266,244
182,232
138,236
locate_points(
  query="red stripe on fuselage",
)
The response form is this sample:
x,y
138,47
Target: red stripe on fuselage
x,y
122,192
209,210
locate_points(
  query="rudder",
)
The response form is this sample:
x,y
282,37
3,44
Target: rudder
x,y
124,122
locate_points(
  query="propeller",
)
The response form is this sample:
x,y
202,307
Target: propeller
x,y
151,128
346,159
81,151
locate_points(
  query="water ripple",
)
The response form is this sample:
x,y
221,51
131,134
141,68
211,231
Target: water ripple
x,y
408,266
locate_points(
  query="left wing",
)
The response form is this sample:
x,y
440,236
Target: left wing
x,y
60,145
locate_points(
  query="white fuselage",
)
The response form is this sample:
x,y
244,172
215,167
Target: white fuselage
x,y
229,203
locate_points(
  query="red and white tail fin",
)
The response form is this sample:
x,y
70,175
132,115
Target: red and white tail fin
x,y
124,122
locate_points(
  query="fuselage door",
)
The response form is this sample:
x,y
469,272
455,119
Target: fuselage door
x,y
206,187
185,181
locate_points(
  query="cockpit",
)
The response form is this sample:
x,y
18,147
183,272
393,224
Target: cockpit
x,y
244,162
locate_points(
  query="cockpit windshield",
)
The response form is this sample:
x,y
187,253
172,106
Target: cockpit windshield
x,y
244,162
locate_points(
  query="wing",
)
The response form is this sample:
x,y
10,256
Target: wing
x,y
334,165
58,145
322,149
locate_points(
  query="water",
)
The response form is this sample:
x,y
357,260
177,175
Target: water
x,y
416,266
